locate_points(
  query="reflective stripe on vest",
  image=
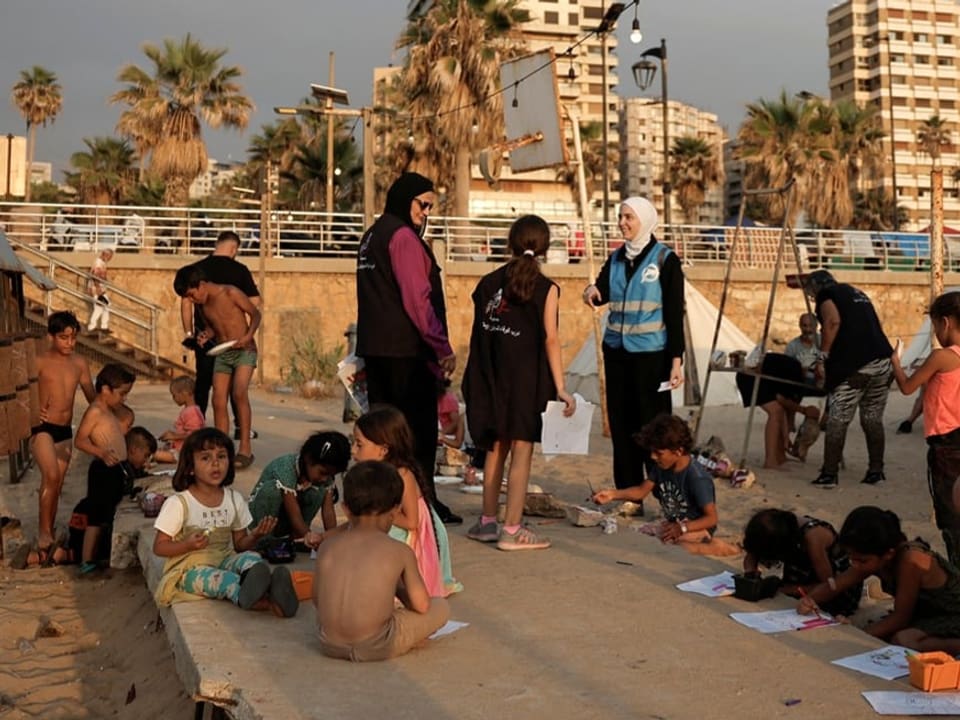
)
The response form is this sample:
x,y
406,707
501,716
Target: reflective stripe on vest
x,y
636,322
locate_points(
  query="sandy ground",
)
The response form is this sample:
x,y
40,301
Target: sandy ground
x,y
94,650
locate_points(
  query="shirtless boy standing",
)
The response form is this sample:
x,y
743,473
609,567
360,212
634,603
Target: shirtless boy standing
x,y
101,435
361,571
231,316
60,373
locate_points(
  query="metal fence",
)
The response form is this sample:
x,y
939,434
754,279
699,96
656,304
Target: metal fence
x,y
291,234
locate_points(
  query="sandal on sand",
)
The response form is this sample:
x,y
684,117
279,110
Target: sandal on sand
x,y
21,557
522,539
242,462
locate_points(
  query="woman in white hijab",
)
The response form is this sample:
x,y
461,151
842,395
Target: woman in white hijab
x,y
643,344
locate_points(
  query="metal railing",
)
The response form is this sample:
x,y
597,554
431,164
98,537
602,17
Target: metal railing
x,y
133,319
192,231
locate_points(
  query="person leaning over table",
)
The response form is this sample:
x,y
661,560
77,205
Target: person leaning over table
x,y
643,344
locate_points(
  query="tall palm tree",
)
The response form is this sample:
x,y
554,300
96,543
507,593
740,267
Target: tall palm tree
x,y
188,85
694,169
933,137
451,75
102,174
39,98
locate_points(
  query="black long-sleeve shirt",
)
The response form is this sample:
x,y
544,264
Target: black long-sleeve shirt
x,y
671,284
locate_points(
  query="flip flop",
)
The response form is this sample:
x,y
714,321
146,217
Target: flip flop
x,y
48,555
21,557
242,462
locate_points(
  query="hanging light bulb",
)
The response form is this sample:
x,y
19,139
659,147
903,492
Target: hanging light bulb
x,y
635,35
475,128
515,103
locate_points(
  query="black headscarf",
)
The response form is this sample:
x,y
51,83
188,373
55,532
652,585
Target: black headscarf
x,y
401,195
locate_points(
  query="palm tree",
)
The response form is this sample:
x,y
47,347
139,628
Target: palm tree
x,y
782,140
450,80
933,136
188,84
873,209
38,96
694,170
104,172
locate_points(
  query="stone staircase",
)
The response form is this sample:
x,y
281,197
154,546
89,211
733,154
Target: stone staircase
x,y
133,319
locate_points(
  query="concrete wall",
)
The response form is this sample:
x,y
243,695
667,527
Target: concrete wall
x,y
317,297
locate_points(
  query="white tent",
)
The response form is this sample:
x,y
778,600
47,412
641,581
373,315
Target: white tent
x,y
918,347
581,375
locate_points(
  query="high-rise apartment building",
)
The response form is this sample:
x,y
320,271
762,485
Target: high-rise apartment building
x,y
901,56
641,153
558,24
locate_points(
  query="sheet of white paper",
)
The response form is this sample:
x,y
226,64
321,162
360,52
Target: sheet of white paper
x,y
888,662
451,627
894,702
665,386
567,435
774,621
711,586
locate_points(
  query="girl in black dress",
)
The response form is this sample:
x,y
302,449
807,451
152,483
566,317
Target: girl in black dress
x,y
513,370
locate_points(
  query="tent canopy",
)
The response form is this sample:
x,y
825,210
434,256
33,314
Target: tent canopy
x,y
581,374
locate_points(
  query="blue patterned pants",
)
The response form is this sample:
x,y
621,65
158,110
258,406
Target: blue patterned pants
x,y
222,582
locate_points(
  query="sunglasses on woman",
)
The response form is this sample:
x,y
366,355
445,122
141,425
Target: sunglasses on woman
x,y
425,205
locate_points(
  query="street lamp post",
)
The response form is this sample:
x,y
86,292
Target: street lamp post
x,y
643,73
607,24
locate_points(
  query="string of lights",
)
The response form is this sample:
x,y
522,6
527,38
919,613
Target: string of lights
x,y
605,26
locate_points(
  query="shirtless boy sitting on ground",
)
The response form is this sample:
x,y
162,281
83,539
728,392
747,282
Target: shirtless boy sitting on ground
x,y
231,315
101,435
361,570
60,372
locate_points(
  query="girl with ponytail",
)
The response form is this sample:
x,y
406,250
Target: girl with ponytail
x,y
513,370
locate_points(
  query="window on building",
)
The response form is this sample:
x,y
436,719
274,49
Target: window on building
x,y
921,59
921,37
918,15
592,13
891,13
944,40
897,35
948,104
944,61
922,102
573,19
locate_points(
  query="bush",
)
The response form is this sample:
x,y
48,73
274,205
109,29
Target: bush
x,y
311,369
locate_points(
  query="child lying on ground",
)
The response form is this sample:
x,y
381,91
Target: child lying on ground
x,y
809,551
925,585
361,570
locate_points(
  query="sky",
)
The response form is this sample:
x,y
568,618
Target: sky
x,y
722,55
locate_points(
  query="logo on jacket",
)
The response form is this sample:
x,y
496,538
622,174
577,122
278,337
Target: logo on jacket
x,y
651,273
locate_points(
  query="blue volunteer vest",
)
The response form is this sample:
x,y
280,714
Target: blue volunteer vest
x,y
635,322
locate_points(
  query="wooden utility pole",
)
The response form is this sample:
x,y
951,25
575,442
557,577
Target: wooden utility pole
x,y
330,123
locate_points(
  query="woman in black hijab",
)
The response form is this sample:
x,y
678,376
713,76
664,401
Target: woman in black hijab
x,y
402,319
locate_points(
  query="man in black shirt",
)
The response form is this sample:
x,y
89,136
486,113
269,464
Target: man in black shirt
x,y
855,368
222,268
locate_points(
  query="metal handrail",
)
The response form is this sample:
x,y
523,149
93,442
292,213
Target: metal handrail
x,y
479,238
146,327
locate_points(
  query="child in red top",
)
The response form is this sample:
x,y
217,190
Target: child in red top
x,y
940,373
450,421
190,418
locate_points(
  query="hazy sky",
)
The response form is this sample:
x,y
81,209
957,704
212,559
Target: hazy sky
x,y
722,54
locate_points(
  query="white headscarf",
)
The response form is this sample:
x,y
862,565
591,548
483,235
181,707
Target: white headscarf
x,y
647,214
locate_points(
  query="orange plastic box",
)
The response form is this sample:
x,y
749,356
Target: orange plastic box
x,y
303,583
934,671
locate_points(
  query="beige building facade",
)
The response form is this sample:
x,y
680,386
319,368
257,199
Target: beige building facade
x,y
642,159
901,56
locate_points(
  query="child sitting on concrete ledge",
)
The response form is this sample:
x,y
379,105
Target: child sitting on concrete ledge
x,y
361,571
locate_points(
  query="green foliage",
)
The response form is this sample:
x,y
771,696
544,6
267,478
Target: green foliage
x,y
310,365
48,193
